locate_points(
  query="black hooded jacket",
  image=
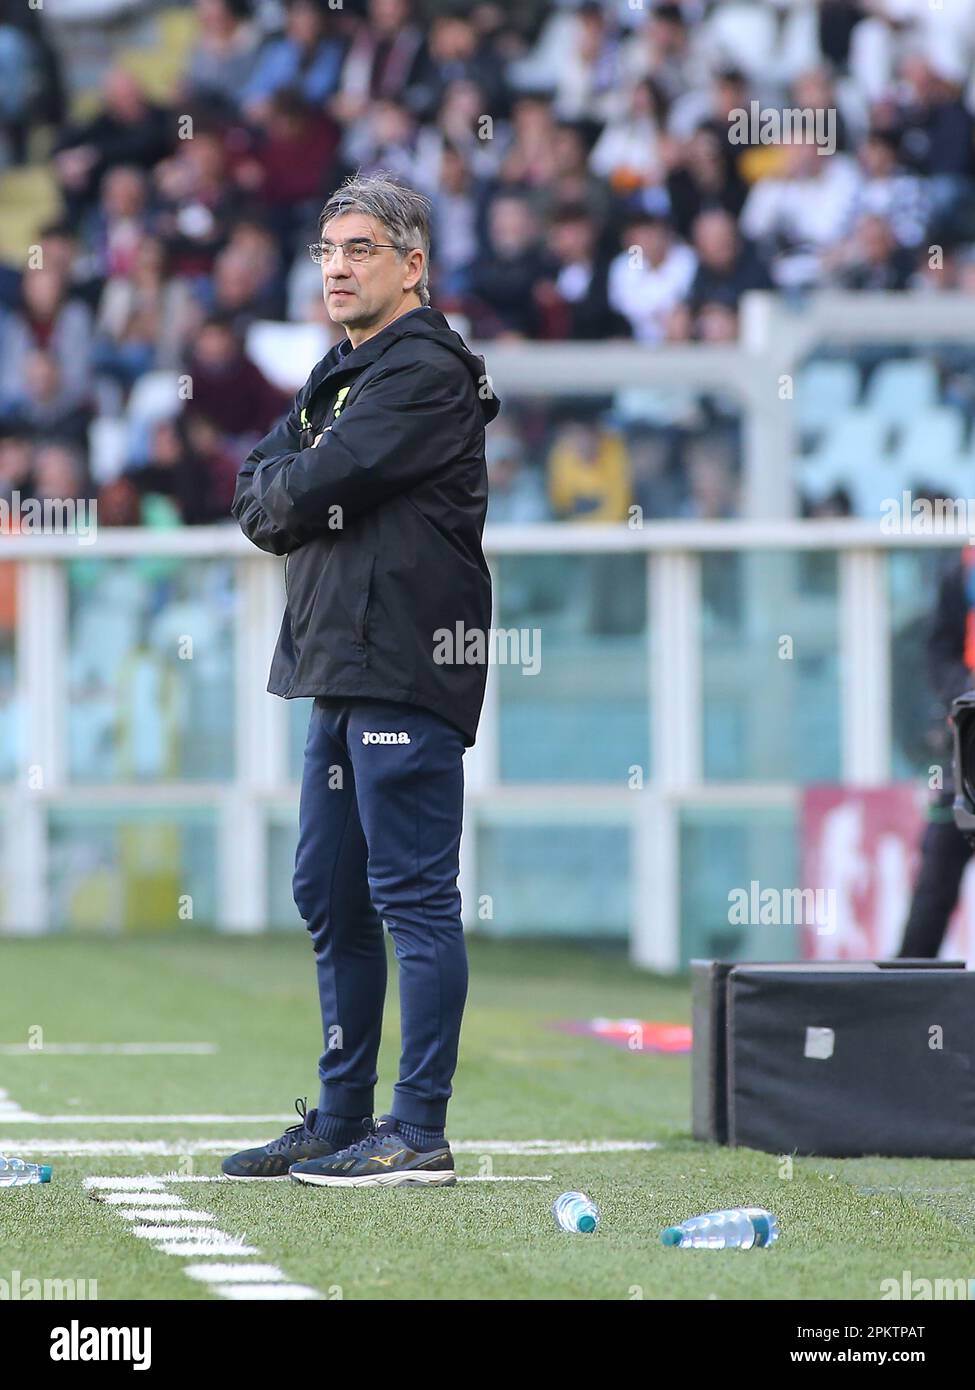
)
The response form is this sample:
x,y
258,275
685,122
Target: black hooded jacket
x,y
381,522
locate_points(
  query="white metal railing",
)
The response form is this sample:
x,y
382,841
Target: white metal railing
x,y
536,538
776,336
758,372
261,783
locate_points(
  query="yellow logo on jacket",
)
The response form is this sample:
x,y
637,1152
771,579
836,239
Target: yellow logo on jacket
x,y
337,411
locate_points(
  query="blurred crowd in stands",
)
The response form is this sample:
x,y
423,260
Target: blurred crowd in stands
x,y
585,185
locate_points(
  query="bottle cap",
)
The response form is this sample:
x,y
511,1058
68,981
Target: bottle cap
x,y
46,1171
587,1222
671,1235
763,1228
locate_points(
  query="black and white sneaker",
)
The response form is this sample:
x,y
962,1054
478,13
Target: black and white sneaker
x,y
273,1160
382,1159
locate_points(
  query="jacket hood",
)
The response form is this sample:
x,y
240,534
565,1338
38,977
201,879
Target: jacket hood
x,y
428,322
425,322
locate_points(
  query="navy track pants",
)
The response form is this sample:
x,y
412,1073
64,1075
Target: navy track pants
x,y
380,817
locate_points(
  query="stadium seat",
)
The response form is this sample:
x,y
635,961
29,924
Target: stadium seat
x,y
286,352
871,484
948,478
858,437
932,439
819,477
851,455
825,391
654,405
90,12
898,390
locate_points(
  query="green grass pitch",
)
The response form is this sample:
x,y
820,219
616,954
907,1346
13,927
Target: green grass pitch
x,y
845,1225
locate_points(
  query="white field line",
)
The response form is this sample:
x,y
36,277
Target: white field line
x,y
159,1148
188,1177
161,1226
506,1177
25,1117
164,1214
216,1273
152,1194
266,1292
219,1177
146,1183
477,1177
187,1248
248,1281
122,1148
169,1231
552,1146
9,1109
129,1049
132,1199
181,1177
157,1216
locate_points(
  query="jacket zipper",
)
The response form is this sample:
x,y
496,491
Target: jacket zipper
x,y
306,432
364,618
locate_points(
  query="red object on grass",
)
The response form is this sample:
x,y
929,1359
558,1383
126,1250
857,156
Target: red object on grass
x,y
633,1034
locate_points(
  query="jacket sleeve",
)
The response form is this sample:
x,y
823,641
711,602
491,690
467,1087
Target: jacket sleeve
x,y
406,424
253,520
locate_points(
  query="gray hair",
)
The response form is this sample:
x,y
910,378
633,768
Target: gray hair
x,y
404,213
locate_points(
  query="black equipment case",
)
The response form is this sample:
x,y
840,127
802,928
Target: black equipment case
x,y
835,1058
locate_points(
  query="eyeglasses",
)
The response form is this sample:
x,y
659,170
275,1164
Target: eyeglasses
x,y
355,251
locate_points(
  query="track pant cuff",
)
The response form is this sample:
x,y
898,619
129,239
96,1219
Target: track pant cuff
x,y
428,1114
351,1102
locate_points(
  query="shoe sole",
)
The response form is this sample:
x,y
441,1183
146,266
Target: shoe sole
x,y
402,1179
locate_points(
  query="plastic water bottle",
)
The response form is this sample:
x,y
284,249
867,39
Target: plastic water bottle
x,y
14,1172
740,1228
575,1212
